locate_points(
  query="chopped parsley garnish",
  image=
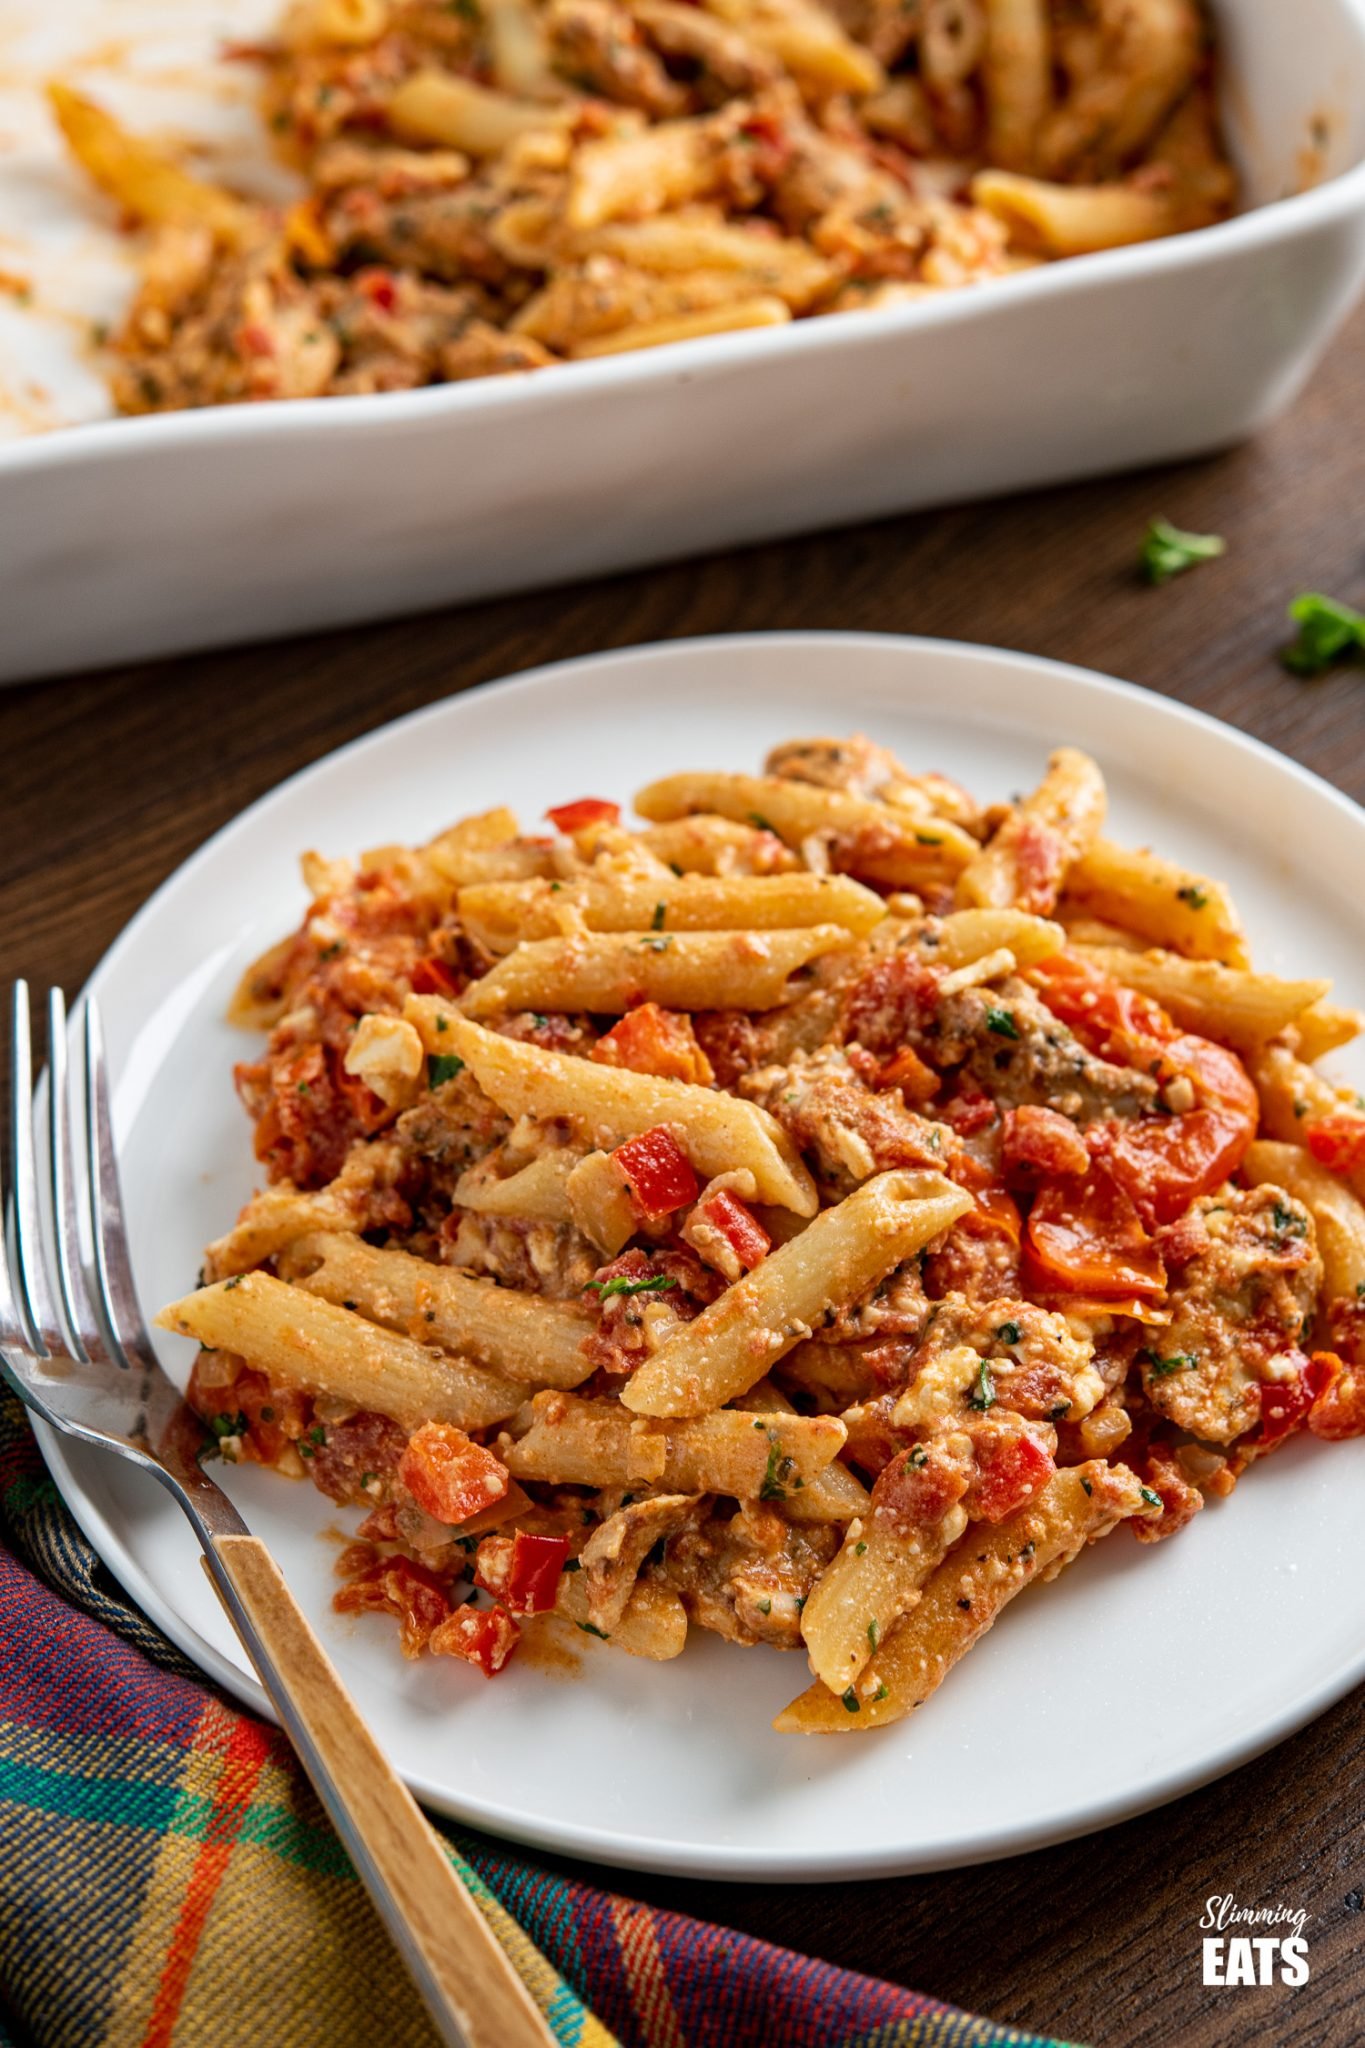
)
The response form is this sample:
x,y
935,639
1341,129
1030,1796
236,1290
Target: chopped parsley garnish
x,y
310,1443
1152,1498
1287,1224
1008,1333
851,1701
765,1606
1328,632
443,1067
334,951
366,1480
538,1021
873,1632
235,1281
1087,1486
882,1692
589,1629
757,818
919,1457
1162,1368
656,923
655,1284
658,945
777,1472
228,1425
860,1550
1168,550
981,1394
1002,1021
928,839
1196,898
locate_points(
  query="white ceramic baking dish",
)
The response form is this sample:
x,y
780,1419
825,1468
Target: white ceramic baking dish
x,y
128,538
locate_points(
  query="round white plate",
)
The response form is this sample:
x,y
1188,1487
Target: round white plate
x,y
1142,1673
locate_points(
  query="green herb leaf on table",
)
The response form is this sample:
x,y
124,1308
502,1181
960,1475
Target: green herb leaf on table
x,y
1329,631
1168,551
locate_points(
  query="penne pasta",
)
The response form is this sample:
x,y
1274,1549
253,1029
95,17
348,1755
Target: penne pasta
x,y
537,1191
654,1623
435,106
872,1583
1159,901
503,914
767,1456
519,1335
139,178
966,1595
879,841
1046,219
1016,74
1338,1214
834,1494
1024,864
304,1342
722,1133
610,974
966,936
842,1253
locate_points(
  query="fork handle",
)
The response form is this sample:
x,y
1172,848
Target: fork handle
x,y
471,1990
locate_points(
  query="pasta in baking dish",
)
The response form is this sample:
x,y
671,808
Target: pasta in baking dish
x,y
812,1215
498,185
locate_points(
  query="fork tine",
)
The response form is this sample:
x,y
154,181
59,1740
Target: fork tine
x,y
80,1325
113,1266
33,1283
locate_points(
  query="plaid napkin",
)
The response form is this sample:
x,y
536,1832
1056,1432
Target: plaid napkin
x,y
167,1877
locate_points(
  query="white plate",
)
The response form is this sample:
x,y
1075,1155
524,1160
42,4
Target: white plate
x,y
1141,1674
230,522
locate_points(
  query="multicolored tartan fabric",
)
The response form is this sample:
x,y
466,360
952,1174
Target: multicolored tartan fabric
x,y
167,1879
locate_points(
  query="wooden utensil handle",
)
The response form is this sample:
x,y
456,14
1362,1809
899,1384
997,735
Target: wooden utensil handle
x,y
474,1995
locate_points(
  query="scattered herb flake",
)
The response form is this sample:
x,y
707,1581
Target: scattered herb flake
x,y
655,1284
1328,632
851,1701
1168,550
1192,894
443,1067
590,1629
1152,1498
1002,1021
656,923
981,1395
1008,1333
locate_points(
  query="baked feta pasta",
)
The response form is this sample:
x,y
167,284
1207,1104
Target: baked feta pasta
x,y
499,185
813,1214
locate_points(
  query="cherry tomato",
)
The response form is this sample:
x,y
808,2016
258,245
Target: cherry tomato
x,y
1337,1140
1089,1239
585,810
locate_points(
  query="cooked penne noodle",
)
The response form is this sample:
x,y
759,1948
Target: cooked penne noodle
x,y
574,1442
519,1335
1324,1028
502,914
834,1494
435,106
722,1133
842,1253
1240,1007
877,840
967,936
140,178
538,1191
277,1215
763,310
1051,220
1161,902
305,1342
719,846
1023,865
1016,72
966,1594
624,177
609,974
876,1578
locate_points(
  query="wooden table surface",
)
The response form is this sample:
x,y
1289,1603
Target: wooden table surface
x,y
111,780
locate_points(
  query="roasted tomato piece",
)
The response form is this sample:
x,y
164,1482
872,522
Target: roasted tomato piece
x,y
521,1571
657,1173
585,810
1337,1141
1039,1142
481,1635
907,1071
1089,1239
920,1485
398,1586
1011,1466
433,977
739,1226
651,1040
450,1477
1338,1409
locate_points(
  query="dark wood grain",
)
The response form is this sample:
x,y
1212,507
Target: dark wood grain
x,y
109,781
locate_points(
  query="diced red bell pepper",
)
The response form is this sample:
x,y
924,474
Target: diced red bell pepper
x,y
1285,1405
651,1040
481,1635
379,288
448,1476
657,1173
1337,1141
432,977
521,1570
1011,1466
585,810
739,1226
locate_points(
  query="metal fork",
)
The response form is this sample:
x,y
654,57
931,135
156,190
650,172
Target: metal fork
x,y
75,1347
